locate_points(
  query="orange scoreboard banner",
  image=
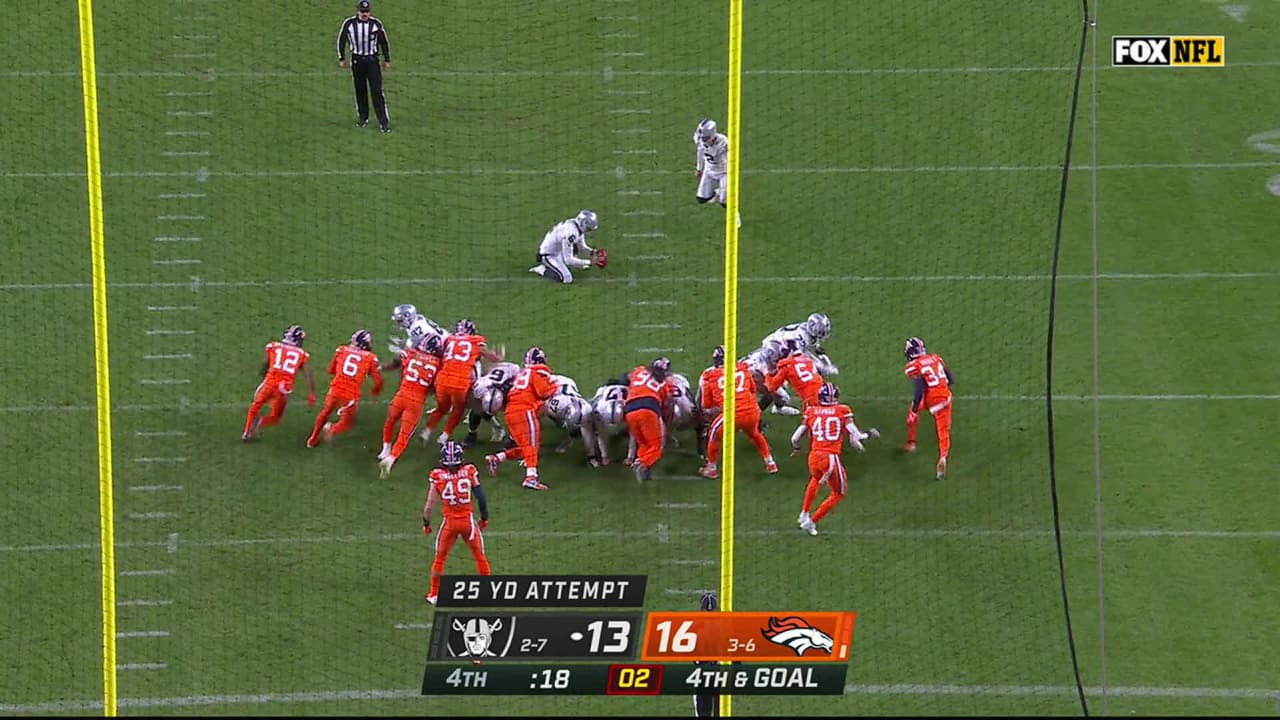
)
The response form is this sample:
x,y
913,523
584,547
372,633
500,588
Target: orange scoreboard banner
x,y
748,636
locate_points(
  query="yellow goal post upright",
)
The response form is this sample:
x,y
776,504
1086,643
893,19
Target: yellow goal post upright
x,y
733,131
102,384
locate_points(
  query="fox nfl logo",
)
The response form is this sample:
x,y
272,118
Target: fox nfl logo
x,y
1168,51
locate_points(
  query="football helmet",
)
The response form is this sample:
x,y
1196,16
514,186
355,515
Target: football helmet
x,y
771,352
819,326
587,220
294,335
535,356
914,348
431,345
567,410
404,314
717,356
491,399
362,339
660,368
465,327
707,130
451,454
828,394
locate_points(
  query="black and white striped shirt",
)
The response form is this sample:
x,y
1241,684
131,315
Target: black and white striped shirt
x,y
366,37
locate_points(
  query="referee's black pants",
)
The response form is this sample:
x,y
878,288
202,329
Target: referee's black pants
x,y
367,74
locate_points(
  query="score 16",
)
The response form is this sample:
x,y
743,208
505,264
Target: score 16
x,y
748,636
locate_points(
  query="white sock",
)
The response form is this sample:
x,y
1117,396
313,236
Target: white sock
x,y
386,448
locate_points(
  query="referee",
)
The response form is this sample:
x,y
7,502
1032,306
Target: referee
x,y
367,37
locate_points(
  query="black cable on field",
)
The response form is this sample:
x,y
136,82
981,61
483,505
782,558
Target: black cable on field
x,y
1048,380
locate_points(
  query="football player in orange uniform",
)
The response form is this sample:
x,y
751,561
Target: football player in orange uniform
x,y
828,423
350,365
798,369
453,485
647,394
531,388
457,373
933,391
284,359
746,413
418,368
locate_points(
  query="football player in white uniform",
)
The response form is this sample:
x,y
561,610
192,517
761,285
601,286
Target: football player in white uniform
x,y
418,326
680,413
762,362
808,337
488,398
568,409
713,162
606,414
562,244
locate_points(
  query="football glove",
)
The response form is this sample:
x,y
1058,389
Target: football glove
x,y
913,418
426,527
311,400
602,258
484,523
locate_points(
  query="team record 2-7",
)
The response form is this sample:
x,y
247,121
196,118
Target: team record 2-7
x,y
542,591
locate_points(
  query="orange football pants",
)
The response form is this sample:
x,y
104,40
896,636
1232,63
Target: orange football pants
x,y
451,530
746,420
345,407
267,394
407,412
451,401
648,431
526,432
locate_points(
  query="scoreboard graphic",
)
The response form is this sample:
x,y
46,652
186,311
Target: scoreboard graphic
x,y
479,645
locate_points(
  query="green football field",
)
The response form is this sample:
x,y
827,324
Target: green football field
x,y
900,171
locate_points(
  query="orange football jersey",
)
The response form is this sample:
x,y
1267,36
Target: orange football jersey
x,y
644,385
937,388
455,489
460,355
417,374
283,363
801,372
532,386
828,427
349,367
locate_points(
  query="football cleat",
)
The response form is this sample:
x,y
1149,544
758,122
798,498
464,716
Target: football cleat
x,y
466,327
809,526
535,356
362,339
819,326
431,599
532,484
709,471
384,467
828,394
586,220
717,356
914,348
771,467
294,335
707,130
404,315
451,454
942,468
909,447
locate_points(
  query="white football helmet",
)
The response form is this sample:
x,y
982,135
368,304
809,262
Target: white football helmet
x,y
706,130
609,411
819,326
587,220
404,314
566,410
491,399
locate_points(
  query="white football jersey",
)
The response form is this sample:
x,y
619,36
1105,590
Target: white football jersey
x,y
608,403
713,157
566,384
424,327
497,375
567,410
795,332
565,241
758,364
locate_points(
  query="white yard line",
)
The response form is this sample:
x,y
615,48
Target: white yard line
x,y
665,534
659,280
549,172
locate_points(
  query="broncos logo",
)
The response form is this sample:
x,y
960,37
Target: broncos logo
x,y
797,634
